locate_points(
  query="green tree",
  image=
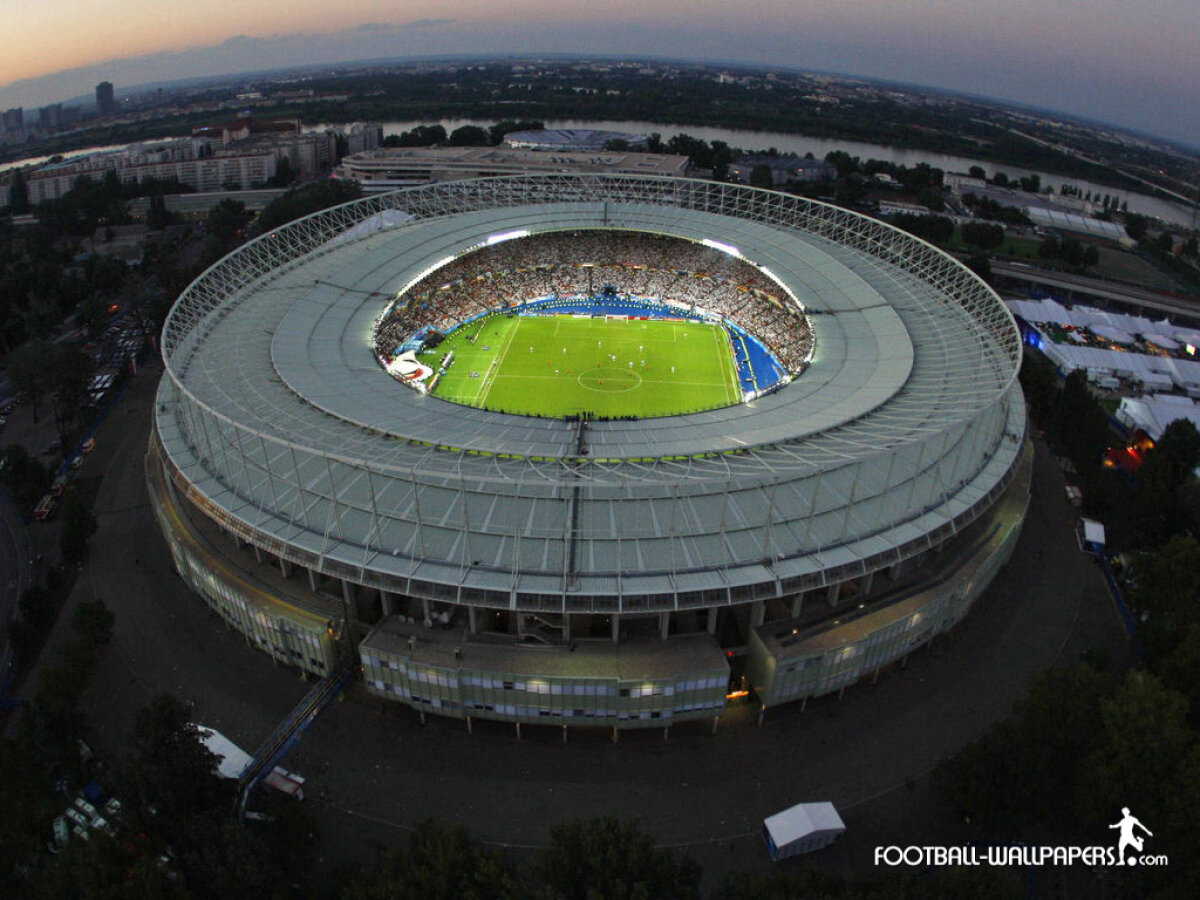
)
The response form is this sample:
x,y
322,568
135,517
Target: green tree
x,y
440,861
469,136
70,376
284,175
22,475
225,221
1136,226
421,136
1165,593
982,236
981,266
1165,504
1024,771
26,811
170,769
18,194
761,177
93,621
935,229
497,132
1144,739
306,200
614,859
29,367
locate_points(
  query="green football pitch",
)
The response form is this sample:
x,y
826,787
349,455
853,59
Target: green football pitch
x,y
567,365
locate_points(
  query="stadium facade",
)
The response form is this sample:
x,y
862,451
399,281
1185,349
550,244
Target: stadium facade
x,y
619,573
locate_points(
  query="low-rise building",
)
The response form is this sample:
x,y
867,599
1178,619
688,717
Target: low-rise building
x,y
386,170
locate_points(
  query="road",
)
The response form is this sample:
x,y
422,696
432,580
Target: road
x,y
1130,297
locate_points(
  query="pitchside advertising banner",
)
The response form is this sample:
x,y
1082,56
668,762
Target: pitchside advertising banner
x,y
1131,841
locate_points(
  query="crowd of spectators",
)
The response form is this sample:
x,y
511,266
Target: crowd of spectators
x,y
581,263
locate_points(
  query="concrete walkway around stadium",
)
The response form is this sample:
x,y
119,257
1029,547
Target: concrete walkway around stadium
x,y
374,771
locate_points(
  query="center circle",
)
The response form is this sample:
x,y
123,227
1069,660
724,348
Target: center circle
x,y
609,380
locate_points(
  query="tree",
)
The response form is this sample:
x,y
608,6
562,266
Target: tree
x,y
1136,226
225,221
22,475
93,621
611,858
1143,740
1163,507
29,368
439,861
983,236
306,200
1024,771
497,132
981,266
157,216
170,769
935,229
26,811
469,136
977,172
1165,593
18,194
284,175
761,177
70,376
421,136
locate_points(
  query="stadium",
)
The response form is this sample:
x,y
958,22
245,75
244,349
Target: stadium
x,y
502,536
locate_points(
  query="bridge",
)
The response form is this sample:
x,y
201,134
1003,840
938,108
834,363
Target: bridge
x,y
281,741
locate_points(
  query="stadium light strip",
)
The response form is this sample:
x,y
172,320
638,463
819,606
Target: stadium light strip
x,y
724,248
507,236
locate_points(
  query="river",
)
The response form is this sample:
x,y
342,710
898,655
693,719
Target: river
x,y
818,147
796,143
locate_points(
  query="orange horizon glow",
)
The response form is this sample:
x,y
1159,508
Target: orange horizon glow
x,y
59,35
1023,50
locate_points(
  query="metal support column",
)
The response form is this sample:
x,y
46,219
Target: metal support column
x,y
835,592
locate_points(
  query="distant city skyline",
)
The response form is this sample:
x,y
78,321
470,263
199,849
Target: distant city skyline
x,y
1099,59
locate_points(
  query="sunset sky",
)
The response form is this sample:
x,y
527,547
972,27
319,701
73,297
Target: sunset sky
x,y
1130,64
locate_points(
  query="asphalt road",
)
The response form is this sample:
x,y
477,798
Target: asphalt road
x,y
375,771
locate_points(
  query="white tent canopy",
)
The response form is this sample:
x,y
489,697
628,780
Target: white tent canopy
x,y
1155,370
1116,335
1153,414
1161,340
802,828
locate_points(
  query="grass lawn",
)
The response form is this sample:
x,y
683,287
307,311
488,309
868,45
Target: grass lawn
x,y
565,365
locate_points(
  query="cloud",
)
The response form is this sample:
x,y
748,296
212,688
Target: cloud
x,y
377,27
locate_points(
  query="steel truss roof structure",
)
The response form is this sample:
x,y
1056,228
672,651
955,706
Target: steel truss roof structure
x,y
278,423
